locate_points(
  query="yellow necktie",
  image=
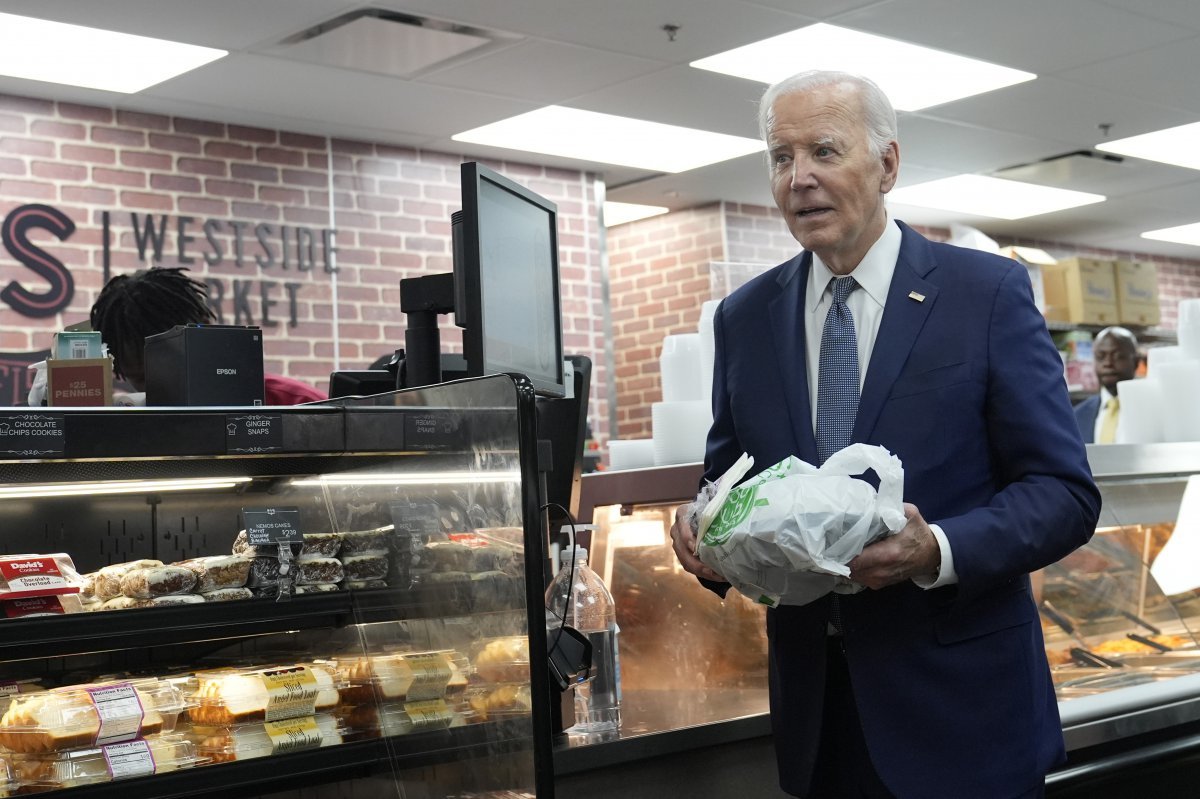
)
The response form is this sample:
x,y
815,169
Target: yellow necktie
x,y
1108,427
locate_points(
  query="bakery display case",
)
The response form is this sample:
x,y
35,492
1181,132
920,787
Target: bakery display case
x,y
328,599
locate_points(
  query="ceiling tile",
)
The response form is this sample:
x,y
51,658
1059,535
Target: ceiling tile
x,y
1176,12
624,26
228,24
1062,110
306,91
1033,35
1165,75
543,72
957,148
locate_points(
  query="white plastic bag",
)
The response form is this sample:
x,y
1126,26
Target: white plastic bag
x,y
784,536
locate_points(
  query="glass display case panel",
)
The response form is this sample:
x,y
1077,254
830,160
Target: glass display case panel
x,y
1107,622
687,656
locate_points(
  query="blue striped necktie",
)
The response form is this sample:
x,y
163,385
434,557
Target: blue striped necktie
x,y
837,390
837,374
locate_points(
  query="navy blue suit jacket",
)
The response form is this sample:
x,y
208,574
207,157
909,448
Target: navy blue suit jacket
x,y
1085,414
965,386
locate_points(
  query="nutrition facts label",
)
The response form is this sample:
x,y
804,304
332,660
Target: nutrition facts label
x,y
132,759
120,712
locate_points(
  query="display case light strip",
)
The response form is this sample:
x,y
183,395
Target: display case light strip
x,y
118,487
411,478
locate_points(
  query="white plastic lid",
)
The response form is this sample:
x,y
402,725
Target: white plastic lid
x,y
580,554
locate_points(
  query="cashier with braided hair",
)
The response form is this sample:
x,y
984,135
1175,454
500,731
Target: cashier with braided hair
x,y
151,301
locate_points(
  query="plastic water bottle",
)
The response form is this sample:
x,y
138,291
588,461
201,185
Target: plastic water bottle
x,y
590,610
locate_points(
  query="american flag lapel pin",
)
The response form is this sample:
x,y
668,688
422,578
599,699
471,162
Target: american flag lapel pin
x,y
916,295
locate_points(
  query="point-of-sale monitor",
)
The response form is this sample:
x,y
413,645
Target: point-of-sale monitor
x,y
506,280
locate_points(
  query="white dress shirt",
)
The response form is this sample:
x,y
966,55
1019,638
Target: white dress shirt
x,y
874,276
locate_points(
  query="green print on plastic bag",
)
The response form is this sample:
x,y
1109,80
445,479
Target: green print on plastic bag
x,y
737,507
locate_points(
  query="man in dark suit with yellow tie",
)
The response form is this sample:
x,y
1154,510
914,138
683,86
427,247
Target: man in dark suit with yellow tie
x,y
932,683
1115,355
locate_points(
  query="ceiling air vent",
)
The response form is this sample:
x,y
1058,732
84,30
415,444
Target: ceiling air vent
x,y
383,42
1081,170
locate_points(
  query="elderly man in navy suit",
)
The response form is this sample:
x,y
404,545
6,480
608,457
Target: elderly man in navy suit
x,y
933,682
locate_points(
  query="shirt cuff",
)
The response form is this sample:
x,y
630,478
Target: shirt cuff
x,y
946,574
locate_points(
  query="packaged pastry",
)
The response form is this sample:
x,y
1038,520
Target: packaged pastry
x,y
108,580
362,542
397,718
361,585
316,545
504,660
265,572
35,773
223,744
218,571
41,606
13,687
316,588
89,715
365,567
495,590
382,678
124,603
6,780
171,600
319,570
488,702
25,576
234,696
148,582
227,594
467,552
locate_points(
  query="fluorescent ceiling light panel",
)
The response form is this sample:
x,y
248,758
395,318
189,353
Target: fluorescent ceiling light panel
x,y
620,213
608,139
912,76
54,52
1175,146
993,197
1183,234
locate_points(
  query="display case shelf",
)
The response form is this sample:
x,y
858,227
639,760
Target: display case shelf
x,y
54,636
246,778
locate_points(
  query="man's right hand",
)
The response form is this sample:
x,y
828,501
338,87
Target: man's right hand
x,y
683,539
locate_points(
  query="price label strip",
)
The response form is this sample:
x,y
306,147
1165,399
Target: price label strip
x,y
132,759
291,692
431,675
120,712
430,714
292,735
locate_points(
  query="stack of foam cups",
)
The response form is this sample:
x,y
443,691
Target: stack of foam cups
x,y
1166,405
681,421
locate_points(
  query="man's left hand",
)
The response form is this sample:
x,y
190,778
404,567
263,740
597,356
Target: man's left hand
x,y
912,552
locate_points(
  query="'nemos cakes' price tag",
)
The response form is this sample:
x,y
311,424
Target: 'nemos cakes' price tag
x,y
291,735
272,526
291,692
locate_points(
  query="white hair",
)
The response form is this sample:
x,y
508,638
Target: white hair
x,y
879,116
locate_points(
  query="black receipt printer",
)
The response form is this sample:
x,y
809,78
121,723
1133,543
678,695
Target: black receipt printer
x,y
192,365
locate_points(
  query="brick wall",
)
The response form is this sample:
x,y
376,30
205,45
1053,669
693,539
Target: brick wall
x,y
658,272
742,236
391,207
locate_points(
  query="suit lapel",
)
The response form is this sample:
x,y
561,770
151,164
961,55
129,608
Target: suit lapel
x,y
903,317
787,326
